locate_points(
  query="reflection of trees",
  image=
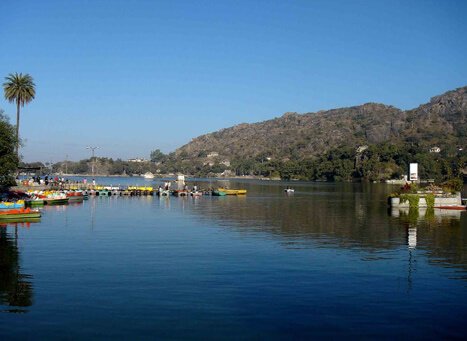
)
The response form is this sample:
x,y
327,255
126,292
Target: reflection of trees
x,y
347,218
15,287
344,215
441,234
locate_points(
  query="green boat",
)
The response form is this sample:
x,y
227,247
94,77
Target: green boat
x,y
34,202
218,193
19,216
56,201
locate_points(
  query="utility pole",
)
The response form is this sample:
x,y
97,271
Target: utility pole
x,y
92,158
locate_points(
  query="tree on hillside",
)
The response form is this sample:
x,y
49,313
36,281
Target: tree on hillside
x,y
20,89
157,156
8,157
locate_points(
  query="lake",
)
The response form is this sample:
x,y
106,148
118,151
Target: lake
x,y
329,261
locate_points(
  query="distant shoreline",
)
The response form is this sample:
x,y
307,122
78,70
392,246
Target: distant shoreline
x,y
159,176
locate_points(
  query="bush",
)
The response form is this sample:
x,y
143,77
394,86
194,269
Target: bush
x,y
453,185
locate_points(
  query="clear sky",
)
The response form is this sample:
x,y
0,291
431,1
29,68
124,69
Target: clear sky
x,y
133,76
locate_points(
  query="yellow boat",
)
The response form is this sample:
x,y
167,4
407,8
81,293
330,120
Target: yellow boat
x,y
140,188
232,191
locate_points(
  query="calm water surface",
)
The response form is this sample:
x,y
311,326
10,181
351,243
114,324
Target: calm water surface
x,y
328,261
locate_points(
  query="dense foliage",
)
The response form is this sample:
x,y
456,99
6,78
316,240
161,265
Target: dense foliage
x,y
377,162
8,158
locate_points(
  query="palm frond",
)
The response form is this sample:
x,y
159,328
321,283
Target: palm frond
x,y
19,88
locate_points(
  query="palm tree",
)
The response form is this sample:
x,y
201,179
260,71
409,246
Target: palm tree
x,y
19,88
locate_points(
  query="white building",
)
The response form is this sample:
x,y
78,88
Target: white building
x,y
138,159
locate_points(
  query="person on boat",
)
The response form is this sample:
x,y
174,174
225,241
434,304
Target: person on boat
x,y
195,188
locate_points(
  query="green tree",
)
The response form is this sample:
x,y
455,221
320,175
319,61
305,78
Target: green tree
x,y
20,89
157,156
8,157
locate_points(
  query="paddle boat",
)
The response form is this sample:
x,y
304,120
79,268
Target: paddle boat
x,y
8,205
289,190
56,198
218,193
180,193
163,193
21,213
232,191
196,193
34,202
75,196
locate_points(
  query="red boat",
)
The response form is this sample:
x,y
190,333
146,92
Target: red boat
x,y
19,213
452,207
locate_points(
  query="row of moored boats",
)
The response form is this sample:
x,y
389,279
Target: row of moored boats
x,y
27,207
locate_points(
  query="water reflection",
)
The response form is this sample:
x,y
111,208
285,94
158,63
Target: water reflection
x,y
347,217
15,286
351,216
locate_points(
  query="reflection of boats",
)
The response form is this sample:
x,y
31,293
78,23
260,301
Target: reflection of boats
x,y
15,220
180,193
19,214
163,193
148,175
232,191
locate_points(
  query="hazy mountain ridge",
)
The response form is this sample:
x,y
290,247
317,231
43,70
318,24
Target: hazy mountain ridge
x,y
442,121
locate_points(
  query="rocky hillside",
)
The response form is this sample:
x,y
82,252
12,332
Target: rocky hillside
x,y
440,122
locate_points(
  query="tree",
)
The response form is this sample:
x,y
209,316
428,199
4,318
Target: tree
x,y
20,89
157,156
8,157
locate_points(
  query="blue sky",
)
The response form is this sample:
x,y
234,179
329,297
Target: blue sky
x,y
134,76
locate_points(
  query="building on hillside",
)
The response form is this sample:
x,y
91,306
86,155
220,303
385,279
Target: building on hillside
x,y
435,149
137,159
213,154
361,149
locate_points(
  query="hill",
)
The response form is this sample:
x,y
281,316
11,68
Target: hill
x,y
311,136
442,122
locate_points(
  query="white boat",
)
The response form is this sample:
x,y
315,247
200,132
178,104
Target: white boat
x,y
148,175
289,190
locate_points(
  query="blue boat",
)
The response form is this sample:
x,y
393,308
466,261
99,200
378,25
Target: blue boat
x,y
11,205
